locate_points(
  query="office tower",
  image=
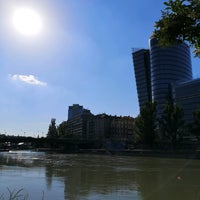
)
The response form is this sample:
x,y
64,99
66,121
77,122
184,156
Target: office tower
x,y
80,122
188,96
141,61
74,110
169,66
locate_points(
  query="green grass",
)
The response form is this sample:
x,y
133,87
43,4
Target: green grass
x,y
16,195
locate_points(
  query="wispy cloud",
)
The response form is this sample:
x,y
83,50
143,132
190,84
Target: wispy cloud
x,y
29,79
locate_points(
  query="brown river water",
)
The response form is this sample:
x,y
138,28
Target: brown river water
x,y
96,177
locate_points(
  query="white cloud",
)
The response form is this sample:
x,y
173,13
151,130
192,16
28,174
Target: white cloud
x,y
29,79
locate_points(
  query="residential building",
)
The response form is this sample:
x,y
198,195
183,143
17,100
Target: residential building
x,y
122,128
102,126
85,125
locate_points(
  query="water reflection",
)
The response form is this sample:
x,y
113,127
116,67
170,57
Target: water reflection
x,y
86,174
112,177
169,179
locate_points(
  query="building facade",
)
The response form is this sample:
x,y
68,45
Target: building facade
x,y
168,67
75,110
122,128
80,124
141,60
188,97
102,126
85,125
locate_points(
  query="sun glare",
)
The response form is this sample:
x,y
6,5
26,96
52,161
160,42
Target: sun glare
x,y
27,21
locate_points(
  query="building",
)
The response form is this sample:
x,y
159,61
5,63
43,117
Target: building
x,y
141,60
188,96
122,128
169,66
166,67
82,124
75,110
102,126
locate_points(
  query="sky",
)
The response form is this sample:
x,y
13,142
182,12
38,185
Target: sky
x,y
81,55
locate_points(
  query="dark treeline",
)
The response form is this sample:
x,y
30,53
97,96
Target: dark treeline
x,y
168,131
47,144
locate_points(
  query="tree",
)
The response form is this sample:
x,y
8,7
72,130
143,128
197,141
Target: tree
x,y
52,131
145,124
196,124
62,129
180,22
172,123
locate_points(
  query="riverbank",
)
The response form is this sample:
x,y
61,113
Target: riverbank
x,y
146,153
188,154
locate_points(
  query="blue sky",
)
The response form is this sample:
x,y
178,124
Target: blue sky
x,y
82,55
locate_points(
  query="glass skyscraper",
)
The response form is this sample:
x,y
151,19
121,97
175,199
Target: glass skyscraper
x,y
169,66
188,96
141,60
159,68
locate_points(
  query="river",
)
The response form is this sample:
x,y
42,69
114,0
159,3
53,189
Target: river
x,y
96,177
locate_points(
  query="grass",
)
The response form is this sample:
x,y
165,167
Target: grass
x,y
16,195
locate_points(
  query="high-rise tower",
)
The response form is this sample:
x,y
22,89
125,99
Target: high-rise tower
x,y
158,69
141,60
169,66
75,110
188,96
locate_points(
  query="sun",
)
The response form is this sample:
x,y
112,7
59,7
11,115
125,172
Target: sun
x,y
27,21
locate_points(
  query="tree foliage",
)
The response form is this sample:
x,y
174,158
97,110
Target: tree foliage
x,y
196,123
172,123
145,124
180,22
62,129
52,131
